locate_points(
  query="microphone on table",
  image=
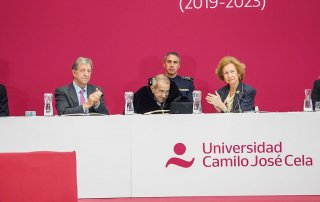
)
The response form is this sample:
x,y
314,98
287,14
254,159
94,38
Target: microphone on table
x,y
240,98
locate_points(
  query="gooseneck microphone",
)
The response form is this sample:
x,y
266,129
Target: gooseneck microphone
x,y
240,97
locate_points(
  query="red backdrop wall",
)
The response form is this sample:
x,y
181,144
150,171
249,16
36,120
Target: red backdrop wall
x,y
39,41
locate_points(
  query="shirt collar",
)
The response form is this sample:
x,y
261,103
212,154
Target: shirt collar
x,y
78,88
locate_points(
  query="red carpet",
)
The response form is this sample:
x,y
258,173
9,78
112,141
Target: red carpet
x,y
215,199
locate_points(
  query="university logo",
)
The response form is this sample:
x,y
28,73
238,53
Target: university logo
x,y
179,149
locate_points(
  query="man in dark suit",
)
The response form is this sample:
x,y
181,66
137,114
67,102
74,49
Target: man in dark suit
x,y
315,95
158,95
79,96
4,108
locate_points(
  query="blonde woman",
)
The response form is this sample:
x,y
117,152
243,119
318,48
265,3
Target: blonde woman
x,y
235,96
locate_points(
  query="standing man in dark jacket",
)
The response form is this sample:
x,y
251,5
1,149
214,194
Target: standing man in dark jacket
x,y
171,64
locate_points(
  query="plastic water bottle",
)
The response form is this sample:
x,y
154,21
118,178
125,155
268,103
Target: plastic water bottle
x,y
128,110
48,111
307,105
256,109
197,109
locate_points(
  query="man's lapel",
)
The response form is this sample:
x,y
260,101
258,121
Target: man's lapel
x,y
73,94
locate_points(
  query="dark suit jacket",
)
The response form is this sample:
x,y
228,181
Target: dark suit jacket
x,y
185,86
67,101
4,108
244,97
315,95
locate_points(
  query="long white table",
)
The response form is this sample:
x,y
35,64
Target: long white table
x,y
134,156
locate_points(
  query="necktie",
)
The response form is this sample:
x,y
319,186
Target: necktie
x,y
82,99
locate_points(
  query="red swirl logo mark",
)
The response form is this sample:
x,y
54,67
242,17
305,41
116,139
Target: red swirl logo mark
x,y
179,149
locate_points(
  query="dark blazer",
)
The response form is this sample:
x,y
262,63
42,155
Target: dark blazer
x,y
67,101
4,108
143,100
185,86
244,97
315,95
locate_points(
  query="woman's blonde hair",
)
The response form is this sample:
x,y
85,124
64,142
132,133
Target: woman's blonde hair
x,y
227,60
